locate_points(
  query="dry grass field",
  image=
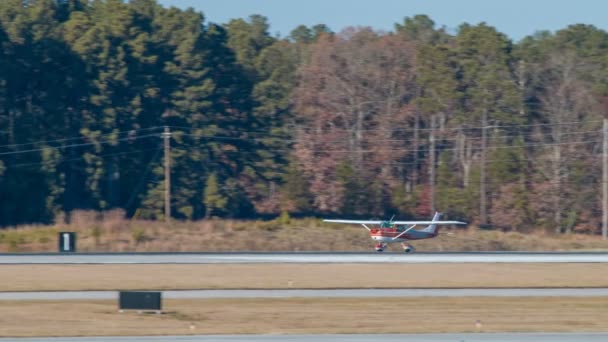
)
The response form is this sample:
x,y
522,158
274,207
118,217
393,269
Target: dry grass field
x,y
294,315
111,233
310,315
281,276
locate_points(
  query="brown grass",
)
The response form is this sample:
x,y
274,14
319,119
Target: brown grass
x,y
311,315
109,232
260,276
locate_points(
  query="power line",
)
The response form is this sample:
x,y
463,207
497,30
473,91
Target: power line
x,y
61,159
260,138
400,163
380,150
405,140
77,138
338,139
384,150
394,127
102,142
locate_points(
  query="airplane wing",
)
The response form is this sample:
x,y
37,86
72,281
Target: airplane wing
x,y
394,222
354,221
427,222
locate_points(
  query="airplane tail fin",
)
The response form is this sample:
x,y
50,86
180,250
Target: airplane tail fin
x,y
432,228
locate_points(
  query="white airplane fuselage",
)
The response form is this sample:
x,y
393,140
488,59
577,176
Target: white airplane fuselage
x,y
389,235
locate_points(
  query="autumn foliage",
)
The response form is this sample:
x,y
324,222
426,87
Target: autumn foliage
x,y
356,123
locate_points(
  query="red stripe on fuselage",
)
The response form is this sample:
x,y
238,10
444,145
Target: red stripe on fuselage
x,y
391,233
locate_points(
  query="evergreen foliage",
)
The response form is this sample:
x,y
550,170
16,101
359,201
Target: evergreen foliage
x,y
314,123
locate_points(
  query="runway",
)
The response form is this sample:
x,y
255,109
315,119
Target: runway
x,y
472,337
321,258
336,293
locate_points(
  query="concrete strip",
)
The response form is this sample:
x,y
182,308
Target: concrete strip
x,y
336,293
248,258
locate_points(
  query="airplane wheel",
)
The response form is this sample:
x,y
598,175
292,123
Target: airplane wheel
x,y
408,249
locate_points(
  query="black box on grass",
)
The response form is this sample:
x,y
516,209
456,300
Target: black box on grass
x,y
140,300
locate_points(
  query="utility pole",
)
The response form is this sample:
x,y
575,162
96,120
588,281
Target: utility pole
x,y
432,164
605,182
483,216
167,137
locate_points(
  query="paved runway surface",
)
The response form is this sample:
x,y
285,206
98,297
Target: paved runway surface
x,y
500,337
246,258
339,293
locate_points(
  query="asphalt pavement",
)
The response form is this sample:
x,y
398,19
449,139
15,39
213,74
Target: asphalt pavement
x,y
324,293
251,258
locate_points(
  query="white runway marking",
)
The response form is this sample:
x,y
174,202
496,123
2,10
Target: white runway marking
x,y
322,258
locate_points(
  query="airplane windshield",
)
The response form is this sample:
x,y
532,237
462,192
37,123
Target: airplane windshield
x,y
385,224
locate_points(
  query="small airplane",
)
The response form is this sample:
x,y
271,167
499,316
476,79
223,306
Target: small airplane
x,y
397,231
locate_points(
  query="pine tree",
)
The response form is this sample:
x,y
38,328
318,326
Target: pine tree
x,y
215,201
490,93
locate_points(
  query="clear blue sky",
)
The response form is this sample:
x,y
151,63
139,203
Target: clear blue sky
x,y
516,18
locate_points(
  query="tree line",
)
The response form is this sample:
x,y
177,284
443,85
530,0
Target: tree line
x,y
356,123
